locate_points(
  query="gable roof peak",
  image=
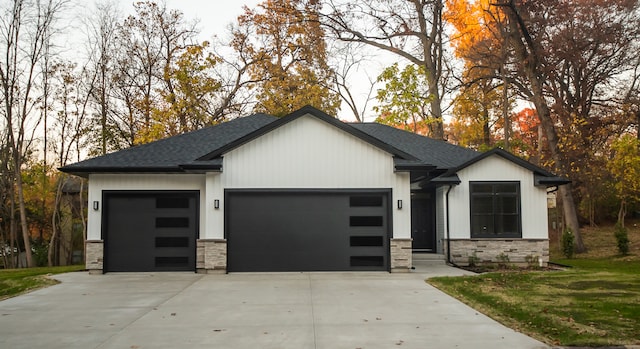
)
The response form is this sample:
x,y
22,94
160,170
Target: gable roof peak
x,y
318,114
542,177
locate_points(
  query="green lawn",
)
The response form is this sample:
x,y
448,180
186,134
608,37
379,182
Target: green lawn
x,y
594,303
14,282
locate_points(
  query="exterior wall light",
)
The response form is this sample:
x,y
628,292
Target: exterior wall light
x,y
399,204
96,205
216,204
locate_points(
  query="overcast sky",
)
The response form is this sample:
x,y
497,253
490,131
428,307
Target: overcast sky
x,y
214,15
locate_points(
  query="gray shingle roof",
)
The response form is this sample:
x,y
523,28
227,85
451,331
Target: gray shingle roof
x,y
170,153
200,150
439,153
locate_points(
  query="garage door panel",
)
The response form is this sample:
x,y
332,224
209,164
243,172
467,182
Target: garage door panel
x,y
306,231
150,231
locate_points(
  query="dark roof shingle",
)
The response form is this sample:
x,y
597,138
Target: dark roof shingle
x,y
169,153
439,153
199,150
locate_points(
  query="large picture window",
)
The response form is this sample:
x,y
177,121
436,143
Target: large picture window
x,y
495,210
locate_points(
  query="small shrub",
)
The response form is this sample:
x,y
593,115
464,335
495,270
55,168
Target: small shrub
x,y
533,261
568,243
503,260
622,238
474,260
40,253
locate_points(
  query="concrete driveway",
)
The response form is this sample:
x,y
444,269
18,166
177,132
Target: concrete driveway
x,y
283,310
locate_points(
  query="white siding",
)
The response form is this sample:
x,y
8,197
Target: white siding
x,y
308,153
533,200
100,182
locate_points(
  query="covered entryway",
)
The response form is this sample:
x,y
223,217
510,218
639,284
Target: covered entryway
x,y
307,230
150,231
423,231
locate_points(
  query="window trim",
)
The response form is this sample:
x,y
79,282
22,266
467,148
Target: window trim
x,y
494,196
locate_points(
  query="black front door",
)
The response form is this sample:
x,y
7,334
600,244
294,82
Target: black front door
x,y
423,230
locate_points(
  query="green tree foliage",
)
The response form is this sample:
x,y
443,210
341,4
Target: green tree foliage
x,y
288,48
475,114
625,169
405,99
187,105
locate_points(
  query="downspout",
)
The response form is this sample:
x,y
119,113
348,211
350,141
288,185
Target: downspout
x,y
447,221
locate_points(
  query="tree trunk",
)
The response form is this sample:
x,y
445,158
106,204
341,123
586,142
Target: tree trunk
x,y
622,212
437,127
525,51
638,123
54,224
23,215
505,115
84,220
3,251
13,231
486,129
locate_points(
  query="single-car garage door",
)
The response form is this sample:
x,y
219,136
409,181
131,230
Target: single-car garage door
x,y
307,231
150,231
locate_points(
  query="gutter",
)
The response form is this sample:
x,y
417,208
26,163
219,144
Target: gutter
x,y
447,221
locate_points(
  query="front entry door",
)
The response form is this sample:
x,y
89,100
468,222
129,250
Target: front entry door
x,y
423,230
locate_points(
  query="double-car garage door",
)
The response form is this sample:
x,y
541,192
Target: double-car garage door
x,y
265,230
307,231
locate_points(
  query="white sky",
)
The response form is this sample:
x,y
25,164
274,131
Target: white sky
x,y
214,15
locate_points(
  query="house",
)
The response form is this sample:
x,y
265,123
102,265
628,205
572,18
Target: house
x,y
308,192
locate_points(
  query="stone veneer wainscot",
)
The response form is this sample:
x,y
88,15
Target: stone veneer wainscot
x,y
488,250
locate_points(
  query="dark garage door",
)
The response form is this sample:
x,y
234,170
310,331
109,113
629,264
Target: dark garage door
x,y
307,231
150,231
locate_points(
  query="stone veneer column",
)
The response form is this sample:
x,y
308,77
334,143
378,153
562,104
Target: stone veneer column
x,y
94,256
401,255
211,256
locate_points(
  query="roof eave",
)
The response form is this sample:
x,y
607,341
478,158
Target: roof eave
x,y
447,179
201,168
86,171
414,167
546,181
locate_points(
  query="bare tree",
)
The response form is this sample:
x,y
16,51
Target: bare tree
x,y
101,28
412,29
25,27
236,96
347,59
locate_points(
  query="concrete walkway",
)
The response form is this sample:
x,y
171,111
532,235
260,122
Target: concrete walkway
x,y
283,310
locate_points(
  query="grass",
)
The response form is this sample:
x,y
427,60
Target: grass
x,y
596,302
14,282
